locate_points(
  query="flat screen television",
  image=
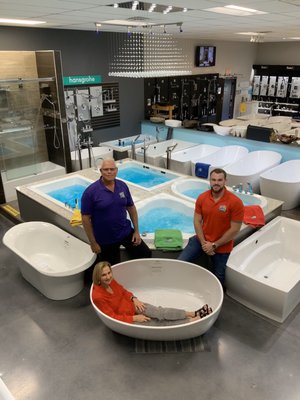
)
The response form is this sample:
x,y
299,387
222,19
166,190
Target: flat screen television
x,y
205,56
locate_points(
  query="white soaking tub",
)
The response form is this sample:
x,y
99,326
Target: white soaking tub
x,y
168,283
97,155
219,159
180,161
263,271
249,168
155,151
283,183
50,259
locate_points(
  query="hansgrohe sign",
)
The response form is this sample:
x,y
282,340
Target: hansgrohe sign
x,y
82,80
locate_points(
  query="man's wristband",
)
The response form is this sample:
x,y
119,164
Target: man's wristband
x,y
214,246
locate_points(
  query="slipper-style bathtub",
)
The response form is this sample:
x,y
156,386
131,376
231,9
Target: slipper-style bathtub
x,y
50,259
282,183
250,167
168,283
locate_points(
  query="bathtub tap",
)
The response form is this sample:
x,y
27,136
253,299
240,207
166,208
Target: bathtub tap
x,y
133,154
249,188
169,151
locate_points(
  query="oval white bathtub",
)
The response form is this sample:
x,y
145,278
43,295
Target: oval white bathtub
x,y
180,161
249,168
283,183
155,151
97,154
52,260
219,159
168,283
190,189
263,271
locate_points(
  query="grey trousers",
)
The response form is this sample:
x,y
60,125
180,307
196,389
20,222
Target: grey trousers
x,y
163,316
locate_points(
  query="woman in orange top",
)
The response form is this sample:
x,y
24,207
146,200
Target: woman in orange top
x,y
117,302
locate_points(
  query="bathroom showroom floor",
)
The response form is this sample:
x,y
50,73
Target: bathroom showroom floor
x,y
60,350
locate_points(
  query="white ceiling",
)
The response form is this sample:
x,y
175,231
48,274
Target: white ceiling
x,y
281,21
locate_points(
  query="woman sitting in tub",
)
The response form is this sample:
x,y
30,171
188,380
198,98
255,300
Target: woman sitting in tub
x,y
117,302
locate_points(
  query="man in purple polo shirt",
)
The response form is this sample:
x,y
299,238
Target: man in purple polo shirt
x,y
103,207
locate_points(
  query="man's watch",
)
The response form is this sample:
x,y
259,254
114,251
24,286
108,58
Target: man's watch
x,y
214,246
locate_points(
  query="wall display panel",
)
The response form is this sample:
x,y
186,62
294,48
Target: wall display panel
x,y
272,86
295,88
282,86
264,85
256,85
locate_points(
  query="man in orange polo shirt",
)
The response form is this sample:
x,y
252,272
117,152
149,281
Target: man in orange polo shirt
x,y
218,218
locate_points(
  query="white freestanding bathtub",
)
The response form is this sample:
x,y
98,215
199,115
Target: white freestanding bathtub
x,y
168,283
97,154
52,260
155,152
283,183
249,168
180,161
219,159
263,271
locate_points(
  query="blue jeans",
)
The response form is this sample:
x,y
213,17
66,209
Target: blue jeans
x,y
193,250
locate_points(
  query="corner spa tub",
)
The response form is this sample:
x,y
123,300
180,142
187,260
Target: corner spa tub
x,y
52,260
168,283
249,168
263,272
283,183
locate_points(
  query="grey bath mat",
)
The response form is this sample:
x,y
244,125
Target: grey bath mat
x,y
194,345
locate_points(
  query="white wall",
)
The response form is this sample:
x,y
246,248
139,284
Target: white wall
x,y
286,53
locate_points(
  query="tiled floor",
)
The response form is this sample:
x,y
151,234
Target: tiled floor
x,y
60,350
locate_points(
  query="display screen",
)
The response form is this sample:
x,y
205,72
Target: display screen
x,y
205,56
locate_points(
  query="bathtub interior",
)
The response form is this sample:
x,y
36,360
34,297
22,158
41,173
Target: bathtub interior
x,y
63,191
263,272
169,283
48,249
144,176
168,212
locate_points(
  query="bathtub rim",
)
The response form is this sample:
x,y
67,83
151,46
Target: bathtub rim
x,y
172,328
55,274
35,188
265,175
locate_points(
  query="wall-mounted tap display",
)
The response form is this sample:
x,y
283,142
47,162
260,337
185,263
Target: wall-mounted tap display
x,y
264,85
282,86
295,88
272,86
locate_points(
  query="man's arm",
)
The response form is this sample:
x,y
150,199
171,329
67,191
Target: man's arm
x,y
134,219
88,227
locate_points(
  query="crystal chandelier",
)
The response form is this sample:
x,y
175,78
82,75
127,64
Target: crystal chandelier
x,y
147,55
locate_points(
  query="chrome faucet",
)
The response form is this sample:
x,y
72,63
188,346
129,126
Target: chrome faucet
x,y
249,188
144,148
133,154
169,151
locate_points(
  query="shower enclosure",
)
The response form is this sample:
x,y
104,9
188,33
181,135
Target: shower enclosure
x,y
33,136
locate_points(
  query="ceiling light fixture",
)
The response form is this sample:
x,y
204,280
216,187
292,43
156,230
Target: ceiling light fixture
x,y
235,10
147,54
20,21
